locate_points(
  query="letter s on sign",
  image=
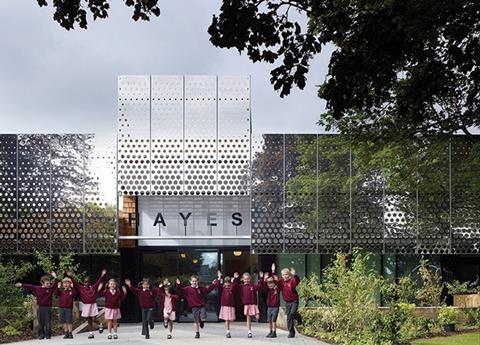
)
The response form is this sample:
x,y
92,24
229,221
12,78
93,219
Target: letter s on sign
x,y
237,219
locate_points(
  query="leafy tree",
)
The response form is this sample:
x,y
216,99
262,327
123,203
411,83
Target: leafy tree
x,y
74,12
47,264
398,67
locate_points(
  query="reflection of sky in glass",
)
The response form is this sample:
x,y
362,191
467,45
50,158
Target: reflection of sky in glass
x,y
209,259
101,165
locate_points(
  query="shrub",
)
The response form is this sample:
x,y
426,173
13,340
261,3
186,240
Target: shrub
x,y
430,294
448,315
11,331
457,288
66,263
404,291
350,289
309,290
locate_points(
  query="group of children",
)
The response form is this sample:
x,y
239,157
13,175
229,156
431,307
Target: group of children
x,y
194,294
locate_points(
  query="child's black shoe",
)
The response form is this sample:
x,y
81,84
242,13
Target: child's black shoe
x,y
65,336
274,334
169,336
100,328
152,324
269,335
197,335
91,336
147,337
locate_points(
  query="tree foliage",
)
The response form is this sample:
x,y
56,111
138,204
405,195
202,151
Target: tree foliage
x,y
69,13
398,67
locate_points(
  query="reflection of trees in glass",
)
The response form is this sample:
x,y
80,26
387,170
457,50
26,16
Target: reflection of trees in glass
x,y
52,185
401,186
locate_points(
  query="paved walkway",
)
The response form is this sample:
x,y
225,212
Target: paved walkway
x,y
212,334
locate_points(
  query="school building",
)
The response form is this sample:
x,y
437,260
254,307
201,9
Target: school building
x,y
183,186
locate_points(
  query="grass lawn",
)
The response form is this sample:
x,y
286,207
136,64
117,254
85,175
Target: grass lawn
x,y
462,339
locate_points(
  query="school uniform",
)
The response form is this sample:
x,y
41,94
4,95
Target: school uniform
x,y
65,303
88,297
227,300
113,298
290,296
273,301
146,299
195,298
44,298
248,292
169,305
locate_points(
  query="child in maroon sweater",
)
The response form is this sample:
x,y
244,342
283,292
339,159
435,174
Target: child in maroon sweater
x,y
65,303
44,295
169,302
113,297
273,303
88,296
249,299
227,300
146,298
195,296
288,284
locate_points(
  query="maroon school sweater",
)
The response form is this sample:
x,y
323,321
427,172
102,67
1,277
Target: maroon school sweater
x,y
65,297
249,293
88,294
227,293
174,298
195,296
146,298
273,294
44,295
288,288
112,301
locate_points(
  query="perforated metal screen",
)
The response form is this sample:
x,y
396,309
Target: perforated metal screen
x,y
322,194
57,193
184,135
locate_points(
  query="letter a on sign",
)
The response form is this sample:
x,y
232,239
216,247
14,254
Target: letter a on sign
x,y
159,219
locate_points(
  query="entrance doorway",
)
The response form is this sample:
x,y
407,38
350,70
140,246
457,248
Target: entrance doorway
x,y
171,263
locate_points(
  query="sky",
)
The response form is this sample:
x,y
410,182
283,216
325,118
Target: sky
x,y
55,81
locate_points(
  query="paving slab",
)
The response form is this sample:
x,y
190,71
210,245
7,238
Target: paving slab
x,y
212,334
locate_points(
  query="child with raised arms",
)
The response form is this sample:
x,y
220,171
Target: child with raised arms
x,y
88,296
195,296
169,301
227,300
146,298
273,303
288,283
249,292
113,297
65,303
44,295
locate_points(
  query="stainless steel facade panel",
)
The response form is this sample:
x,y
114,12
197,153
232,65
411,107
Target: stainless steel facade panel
x,y
167,139
421,201
8,193
52,187
184,135
134,109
